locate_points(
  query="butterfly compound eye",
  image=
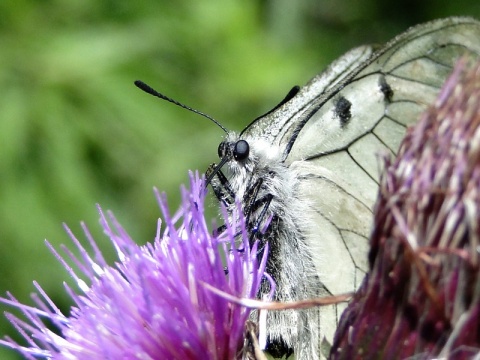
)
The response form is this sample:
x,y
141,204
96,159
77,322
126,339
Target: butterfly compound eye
x,y
241,150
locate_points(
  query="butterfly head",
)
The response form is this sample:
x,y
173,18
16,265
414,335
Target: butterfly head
x,y
247,155
237,150
237,158
245,162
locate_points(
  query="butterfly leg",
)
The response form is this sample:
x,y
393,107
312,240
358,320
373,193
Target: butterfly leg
x,y
252,204
221,186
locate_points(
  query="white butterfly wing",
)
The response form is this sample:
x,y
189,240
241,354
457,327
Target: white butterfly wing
x,y
324,182
337,158
394,86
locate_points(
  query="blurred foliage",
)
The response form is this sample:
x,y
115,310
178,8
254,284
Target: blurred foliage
x,y
74,131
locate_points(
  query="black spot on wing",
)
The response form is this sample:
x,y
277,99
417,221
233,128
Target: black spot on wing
x,y
385,88
343,110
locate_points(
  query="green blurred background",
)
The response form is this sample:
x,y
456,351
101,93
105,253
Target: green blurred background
x,y
74,131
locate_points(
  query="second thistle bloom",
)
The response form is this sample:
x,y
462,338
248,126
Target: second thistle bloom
x,y
420,298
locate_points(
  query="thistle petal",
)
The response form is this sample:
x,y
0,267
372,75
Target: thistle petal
x,y
152,303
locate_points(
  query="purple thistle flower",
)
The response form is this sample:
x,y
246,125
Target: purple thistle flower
x,y
153,303
421,296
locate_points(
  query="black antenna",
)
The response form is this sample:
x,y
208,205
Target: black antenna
x,y
142,86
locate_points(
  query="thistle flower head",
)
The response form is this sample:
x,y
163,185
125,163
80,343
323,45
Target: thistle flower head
x,y
152,304
421,296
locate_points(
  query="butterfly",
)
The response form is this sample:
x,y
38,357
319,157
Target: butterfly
x,y
310,167
308,172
